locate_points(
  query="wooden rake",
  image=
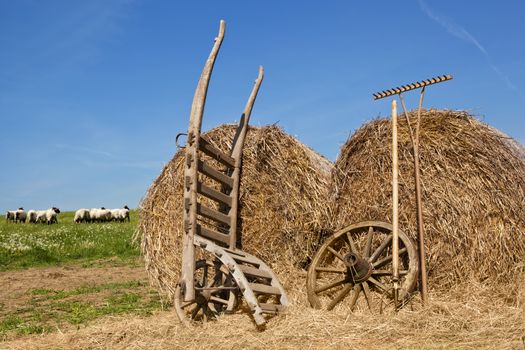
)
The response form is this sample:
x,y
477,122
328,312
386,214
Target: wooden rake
x,y
414,136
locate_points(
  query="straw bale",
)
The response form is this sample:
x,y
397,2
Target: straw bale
x,y
283,204
473,190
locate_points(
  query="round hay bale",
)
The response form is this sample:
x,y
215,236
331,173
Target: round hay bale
x,y
473,191
283,204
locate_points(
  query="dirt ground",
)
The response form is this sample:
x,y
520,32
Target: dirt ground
x,y
16,285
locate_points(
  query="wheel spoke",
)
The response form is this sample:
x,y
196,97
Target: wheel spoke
x,y
381,248
378,284
355,295
353,247
368,295
368,246
195,311
187,304
336,254
204,313
330,285
329,269
387,259
388,272
219,300
340,296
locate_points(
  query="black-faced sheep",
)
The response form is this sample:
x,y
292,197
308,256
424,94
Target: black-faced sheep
x,y
82,215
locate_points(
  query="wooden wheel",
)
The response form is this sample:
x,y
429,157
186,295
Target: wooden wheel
x,y
215,293
353,269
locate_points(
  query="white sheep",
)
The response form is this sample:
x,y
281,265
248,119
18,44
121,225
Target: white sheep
x,y
31,217
82,215
40,216
104,214
51,215
100,215
120,214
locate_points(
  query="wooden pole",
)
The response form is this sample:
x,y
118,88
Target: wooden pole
x,y
414,136
395,201
420,227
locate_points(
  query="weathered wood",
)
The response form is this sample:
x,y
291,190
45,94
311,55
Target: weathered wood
x,y
214,174
259,288
212,151
214,194
254,272
236,153
212,214
246,259
268,308
194,129
212,234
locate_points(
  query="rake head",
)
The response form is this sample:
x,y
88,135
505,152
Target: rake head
x,y
408,87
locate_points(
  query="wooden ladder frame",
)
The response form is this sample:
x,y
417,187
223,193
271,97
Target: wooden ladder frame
x,y
223,246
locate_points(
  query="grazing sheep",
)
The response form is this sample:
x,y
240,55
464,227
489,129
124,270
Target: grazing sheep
x,y
31,217
40,216
82,215
100,215
120,214
10,215
51,215
20,215
104,215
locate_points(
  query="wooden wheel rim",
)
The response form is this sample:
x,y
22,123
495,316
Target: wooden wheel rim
x,y
347,291
206,308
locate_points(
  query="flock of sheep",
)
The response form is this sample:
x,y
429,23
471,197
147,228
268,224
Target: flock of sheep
x,y
49,216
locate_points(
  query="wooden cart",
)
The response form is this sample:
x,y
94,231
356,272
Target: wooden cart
x,y
215,272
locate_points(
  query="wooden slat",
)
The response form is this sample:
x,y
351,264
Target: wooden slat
x,y
246,259
214,194
212,151
268,308
214,174
252,271
264,289
213,235
213,214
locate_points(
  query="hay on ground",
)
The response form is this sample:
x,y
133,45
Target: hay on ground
x,y
473,184
283,201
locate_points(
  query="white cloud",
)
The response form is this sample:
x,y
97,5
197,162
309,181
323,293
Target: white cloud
x,y
459,32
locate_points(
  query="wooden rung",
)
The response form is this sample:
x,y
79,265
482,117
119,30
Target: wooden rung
x,y
260,288
245,259
254,272
214,174
212,151
214,194
213,235
268,308
213,214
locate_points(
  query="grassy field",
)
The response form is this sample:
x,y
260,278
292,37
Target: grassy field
x,y
66,275
30,245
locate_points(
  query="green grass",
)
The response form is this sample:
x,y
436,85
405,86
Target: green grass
x,y
49,309
30,245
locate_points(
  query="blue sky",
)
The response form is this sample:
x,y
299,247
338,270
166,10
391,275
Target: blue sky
x,y
92,93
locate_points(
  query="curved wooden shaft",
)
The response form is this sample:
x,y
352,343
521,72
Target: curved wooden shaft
x,y
190,170
236,153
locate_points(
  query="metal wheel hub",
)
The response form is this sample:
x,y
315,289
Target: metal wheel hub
x,y
359,269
